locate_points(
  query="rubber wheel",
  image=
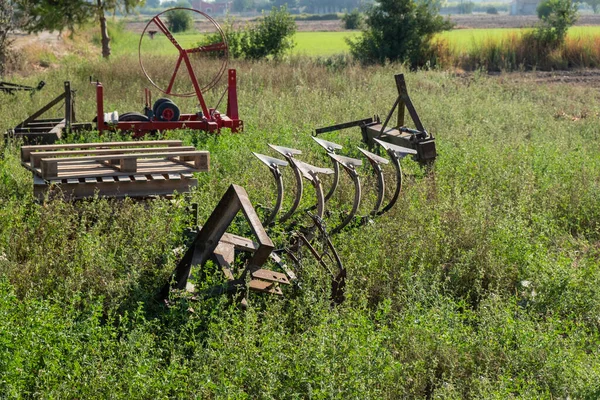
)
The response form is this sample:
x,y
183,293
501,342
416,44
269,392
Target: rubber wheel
x,y
158,103
133,117
167,111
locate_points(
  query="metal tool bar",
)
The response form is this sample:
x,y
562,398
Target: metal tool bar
x,y
345,125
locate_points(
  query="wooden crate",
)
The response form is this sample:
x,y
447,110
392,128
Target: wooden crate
x,y
114,169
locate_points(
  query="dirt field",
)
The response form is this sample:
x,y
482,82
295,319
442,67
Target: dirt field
x,y
483,21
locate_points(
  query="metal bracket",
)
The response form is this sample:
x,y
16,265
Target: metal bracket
x,y
212,242
376,162
396,153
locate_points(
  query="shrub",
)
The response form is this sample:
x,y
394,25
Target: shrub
x,y
557,17
398,31
6,26
352,20
179,20
491,10
271,36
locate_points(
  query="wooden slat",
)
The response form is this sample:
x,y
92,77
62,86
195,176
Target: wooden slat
x,y
35,157
26,150
140,178
157,177
107,179
91,180
113,190
124,178
51,167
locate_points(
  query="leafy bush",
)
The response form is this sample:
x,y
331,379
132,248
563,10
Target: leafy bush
x,y
491,10
557,17
352,20
398,31
271,36
179,20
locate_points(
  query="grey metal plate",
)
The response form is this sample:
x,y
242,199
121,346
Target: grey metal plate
x,y
399,150
374,157
271,162
329,146
346,161
286,151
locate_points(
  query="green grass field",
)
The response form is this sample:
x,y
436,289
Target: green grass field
x,y
482,283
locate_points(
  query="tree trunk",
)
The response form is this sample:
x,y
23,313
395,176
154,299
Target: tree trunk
x,y
103,31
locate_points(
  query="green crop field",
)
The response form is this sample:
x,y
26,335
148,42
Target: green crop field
x,y
329,43
322,43
307,43
465,39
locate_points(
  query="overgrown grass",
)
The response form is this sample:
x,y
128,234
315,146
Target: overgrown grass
x,y
480,283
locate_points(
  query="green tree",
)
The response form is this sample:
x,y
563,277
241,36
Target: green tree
x,y
179,20
153,3
6,26
398,31
40,15
271,36
557,17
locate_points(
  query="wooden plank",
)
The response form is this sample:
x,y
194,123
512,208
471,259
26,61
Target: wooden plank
x,y
107,179
80,170
140,178
113,190
127,164
76,166
26,150
157,177
123,178
198,155
72,181
91,180
35,156
174,177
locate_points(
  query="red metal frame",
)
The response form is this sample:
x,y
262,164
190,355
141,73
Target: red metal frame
x,y
209,120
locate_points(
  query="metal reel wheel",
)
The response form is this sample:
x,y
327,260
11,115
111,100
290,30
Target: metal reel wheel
x,y
191,51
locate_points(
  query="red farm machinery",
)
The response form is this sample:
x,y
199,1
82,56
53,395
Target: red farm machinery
x,y
164,114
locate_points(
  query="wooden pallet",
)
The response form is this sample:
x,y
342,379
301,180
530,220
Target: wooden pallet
x,y
114,169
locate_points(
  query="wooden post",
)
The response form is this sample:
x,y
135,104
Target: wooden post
x,y
128,165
